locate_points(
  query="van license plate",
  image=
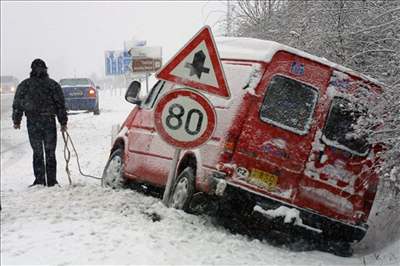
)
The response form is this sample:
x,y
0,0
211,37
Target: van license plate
x,y
263,179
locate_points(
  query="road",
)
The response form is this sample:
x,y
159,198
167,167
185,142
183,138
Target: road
x,y
7,144
6,103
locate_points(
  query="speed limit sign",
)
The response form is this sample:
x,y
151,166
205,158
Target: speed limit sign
x,y
184,118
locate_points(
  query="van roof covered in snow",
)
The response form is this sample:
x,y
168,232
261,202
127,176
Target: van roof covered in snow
x,y
262,50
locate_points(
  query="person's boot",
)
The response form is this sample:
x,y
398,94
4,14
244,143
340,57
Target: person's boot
x,y
51,182
37,182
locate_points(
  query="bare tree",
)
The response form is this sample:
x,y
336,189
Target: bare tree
x,y
363,35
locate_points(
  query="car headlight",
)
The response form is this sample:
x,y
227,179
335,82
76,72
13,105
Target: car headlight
x,y
12,89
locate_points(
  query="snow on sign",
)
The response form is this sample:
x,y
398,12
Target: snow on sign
x,y
184,118
197,65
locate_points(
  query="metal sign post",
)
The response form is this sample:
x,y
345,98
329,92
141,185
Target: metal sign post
x,y
147,83
184,119
171,176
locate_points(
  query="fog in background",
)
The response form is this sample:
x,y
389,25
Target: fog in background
x,y
72,36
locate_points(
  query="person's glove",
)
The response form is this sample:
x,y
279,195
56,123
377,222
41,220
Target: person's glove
x,y
64,128
17,126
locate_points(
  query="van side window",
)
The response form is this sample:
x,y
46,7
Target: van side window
x,y
289,104
155,91
339,126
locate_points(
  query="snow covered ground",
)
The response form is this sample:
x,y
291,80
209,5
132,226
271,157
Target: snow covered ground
x,y
88,224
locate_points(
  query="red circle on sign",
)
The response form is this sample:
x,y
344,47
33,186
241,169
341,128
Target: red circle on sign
x,y
173,97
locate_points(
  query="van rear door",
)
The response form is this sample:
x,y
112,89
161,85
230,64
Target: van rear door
x,y
339,174
276,138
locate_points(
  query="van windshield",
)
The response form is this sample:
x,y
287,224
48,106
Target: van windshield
x,y
155,92
339,128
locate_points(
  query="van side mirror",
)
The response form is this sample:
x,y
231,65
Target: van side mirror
x,y
132,93
97,87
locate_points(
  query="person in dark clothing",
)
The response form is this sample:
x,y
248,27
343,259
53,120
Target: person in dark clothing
x,y
41,99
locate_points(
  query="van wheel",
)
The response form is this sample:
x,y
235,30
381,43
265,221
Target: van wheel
x,y
182,190
113,171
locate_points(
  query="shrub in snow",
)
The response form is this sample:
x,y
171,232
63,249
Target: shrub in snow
x,y
381,125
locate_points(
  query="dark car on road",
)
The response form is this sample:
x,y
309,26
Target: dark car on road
x,y
81,94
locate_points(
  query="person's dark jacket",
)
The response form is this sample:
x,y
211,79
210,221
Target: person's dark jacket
x,y
39,96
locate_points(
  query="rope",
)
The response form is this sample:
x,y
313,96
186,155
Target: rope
x,y
67,157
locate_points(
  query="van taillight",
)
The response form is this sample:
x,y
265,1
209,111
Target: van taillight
x,y
92,92
227,152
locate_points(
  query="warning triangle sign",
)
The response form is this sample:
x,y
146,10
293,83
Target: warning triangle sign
x,y
197,65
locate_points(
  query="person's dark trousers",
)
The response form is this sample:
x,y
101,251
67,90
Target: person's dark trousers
x,y
43,138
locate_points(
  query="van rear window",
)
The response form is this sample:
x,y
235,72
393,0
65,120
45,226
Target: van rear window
x,y
339,128
289,104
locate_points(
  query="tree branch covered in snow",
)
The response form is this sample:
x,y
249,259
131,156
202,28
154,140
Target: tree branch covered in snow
x,y
382,126
362,35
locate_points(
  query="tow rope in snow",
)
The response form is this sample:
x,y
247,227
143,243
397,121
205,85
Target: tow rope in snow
x,y
67,157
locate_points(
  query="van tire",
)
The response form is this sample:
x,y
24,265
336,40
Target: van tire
x,y
182,190
113,173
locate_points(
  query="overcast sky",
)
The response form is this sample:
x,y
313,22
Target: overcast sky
x,y
72,36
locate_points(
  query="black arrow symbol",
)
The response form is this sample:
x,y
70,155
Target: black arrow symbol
x,y
197,66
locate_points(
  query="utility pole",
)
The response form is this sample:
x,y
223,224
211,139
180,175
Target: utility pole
x,y
228,19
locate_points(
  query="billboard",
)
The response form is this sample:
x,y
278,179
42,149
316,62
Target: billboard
x,y
117,62
146,59
145,64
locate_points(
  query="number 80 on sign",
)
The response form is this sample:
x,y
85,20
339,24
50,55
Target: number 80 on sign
x,y
184,118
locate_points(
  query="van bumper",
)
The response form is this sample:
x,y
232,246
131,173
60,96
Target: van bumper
x,y
246,204
314,224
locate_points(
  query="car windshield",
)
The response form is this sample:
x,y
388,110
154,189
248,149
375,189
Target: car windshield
x,y
339,128
74,82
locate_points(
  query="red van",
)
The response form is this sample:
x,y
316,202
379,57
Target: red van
x,y
282,146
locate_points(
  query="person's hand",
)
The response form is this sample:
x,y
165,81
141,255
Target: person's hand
x,y
17,126
64,128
